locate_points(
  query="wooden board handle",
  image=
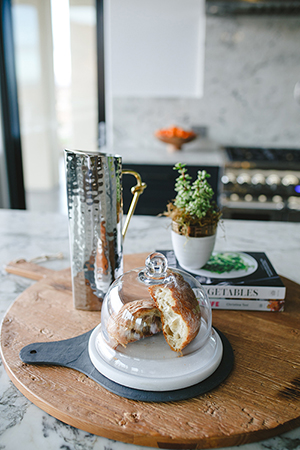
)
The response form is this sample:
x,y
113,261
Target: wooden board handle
x,y
36,272
27,269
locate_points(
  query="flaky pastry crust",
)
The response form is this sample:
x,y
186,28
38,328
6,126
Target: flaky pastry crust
x,y
134,321
180,311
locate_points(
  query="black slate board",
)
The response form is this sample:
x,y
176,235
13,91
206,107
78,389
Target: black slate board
x,y
73,353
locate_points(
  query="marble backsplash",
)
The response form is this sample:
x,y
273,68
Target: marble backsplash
x,y
252,64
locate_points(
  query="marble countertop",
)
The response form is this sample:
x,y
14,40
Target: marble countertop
x,y
28,235
200,152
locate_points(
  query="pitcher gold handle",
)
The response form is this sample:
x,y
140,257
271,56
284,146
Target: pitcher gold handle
x,y
136,190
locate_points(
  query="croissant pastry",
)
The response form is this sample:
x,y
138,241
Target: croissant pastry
x,y
134,321
180,311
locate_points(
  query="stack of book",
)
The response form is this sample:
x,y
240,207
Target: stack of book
x,y
238,280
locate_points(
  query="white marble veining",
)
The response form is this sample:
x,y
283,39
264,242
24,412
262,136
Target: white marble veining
x,y
27,235
250,73
201,152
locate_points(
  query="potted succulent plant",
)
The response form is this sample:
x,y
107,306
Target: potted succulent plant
x,y
195,218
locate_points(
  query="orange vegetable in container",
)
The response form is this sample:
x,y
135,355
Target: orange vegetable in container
x,y
175,137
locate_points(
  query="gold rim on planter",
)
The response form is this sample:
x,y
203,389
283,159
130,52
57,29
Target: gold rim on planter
x,y
194,230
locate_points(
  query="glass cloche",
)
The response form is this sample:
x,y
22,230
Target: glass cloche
x,y
156,330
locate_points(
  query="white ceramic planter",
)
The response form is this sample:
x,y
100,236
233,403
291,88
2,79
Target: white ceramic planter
x,y
192,252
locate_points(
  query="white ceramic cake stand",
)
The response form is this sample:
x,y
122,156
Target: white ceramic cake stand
x,y
150,365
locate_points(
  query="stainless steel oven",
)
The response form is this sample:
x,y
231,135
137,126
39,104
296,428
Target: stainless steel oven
x,y
261,184
252,7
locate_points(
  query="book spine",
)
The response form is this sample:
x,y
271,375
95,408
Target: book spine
x,y
246,292
249,305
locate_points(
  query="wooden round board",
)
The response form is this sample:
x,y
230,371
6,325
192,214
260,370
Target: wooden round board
x,y
259,399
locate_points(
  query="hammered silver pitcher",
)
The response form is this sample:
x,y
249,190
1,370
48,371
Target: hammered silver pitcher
x,y
95,214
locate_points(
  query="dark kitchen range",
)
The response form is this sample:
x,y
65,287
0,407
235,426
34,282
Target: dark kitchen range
x,y
261,184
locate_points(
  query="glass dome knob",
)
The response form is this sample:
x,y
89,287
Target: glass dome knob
x,y
156,265
155,270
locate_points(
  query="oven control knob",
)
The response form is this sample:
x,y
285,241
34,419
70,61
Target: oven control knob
x,y
273,179
290,180
244,178
248,198
294,203
258,178
228,177
262,198
277,199
234,197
